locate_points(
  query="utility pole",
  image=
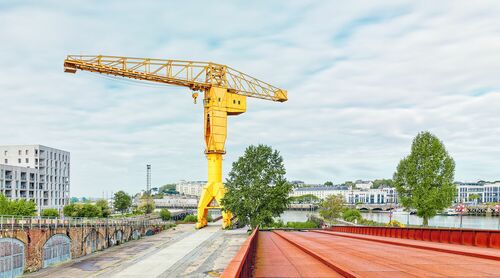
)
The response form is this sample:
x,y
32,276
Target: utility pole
x,y
148,179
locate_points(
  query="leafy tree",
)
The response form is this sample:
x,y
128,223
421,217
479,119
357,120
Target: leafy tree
x,y
381,182
328,183
103,207
165,214
257,189
158,196
474,197
50,212
69,210
332,207
424,179
147,204
168,189
349,184
16,207
74,200
122,201
351,215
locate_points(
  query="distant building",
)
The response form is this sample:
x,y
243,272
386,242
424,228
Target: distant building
x,y
487,191
35,172
190,188
363,184
351,196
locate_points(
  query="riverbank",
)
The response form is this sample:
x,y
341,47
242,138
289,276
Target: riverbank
x,y
468,221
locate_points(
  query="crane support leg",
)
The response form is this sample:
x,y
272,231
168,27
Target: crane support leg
x,y
213,191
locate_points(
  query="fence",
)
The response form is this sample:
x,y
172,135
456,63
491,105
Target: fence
x,y
471,237
13,222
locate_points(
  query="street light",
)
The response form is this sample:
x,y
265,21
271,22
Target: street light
x,y
497,210
461,209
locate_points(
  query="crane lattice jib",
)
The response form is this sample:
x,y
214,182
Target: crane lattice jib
x,y
198,76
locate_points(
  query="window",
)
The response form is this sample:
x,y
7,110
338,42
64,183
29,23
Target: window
x,y
6,161
26,152
27,160
18,160
5,153
19,152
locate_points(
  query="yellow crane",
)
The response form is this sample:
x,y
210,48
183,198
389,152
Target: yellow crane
x,y
225,91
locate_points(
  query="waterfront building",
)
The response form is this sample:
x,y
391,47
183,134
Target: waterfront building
x,y
487,191
190,188
351,195
360,184
35,172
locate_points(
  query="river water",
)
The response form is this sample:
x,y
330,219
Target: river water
x,y
468,221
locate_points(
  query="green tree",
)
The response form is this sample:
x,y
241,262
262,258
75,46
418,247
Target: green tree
x,y
328,183
16,207
474,197
257,189
424,179
147,204
381,182
73,200
351,215
349,184
69,210
50,212
332,207
103,207
122,201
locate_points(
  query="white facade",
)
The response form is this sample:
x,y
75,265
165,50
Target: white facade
x,y
190,188
487,191
35,172
363,184
351,196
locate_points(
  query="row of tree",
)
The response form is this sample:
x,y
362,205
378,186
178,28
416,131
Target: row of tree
x,y
257,190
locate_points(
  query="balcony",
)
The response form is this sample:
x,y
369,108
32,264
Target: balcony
x,y
8,176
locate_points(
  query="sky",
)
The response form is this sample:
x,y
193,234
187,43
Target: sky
x,y
363,78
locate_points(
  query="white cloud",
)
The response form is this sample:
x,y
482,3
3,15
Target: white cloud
x,y
363,79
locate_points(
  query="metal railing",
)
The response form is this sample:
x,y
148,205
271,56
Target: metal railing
x,y
243,262
20,222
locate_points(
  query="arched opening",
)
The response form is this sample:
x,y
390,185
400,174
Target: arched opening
x,y
57,249
11,257
91,243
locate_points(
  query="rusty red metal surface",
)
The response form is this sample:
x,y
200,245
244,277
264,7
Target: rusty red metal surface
x,y
325,254
469,237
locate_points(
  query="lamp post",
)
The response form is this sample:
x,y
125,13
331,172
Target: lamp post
x,y
497,210
460,209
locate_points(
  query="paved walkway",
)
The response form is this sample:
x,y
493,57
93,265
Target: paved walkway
x,y
183,252
297,254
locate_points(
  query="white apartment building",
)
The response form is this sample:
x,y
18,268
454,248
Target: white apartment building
x,y
190,188
351,196
487,191
35,172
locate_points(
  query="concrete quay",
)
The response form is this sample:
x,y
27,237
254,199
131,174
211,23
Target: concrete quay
x,y
179,252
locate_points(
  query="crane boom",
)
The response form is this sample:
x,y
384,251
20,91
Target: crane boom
x,y
198,76
224,94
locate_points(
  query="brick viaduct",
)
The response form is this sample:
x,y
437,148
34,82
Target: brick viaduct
x,y
31,244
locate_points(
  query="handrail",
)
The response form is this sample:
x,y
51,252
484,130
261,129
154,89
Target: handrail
x,y
242,263
471,237
14,221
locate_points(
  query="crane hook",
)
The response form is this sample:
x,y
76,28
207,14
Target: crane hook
x,y
194,95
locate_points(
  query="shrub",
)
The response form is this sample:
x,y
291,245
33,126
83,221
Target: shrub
x,y
165,214
351,215
190,218
50,212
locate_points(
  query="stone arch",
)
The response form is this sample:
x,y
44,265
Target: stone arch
x,y
117,237
136,234
56,249
12,257
93,241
